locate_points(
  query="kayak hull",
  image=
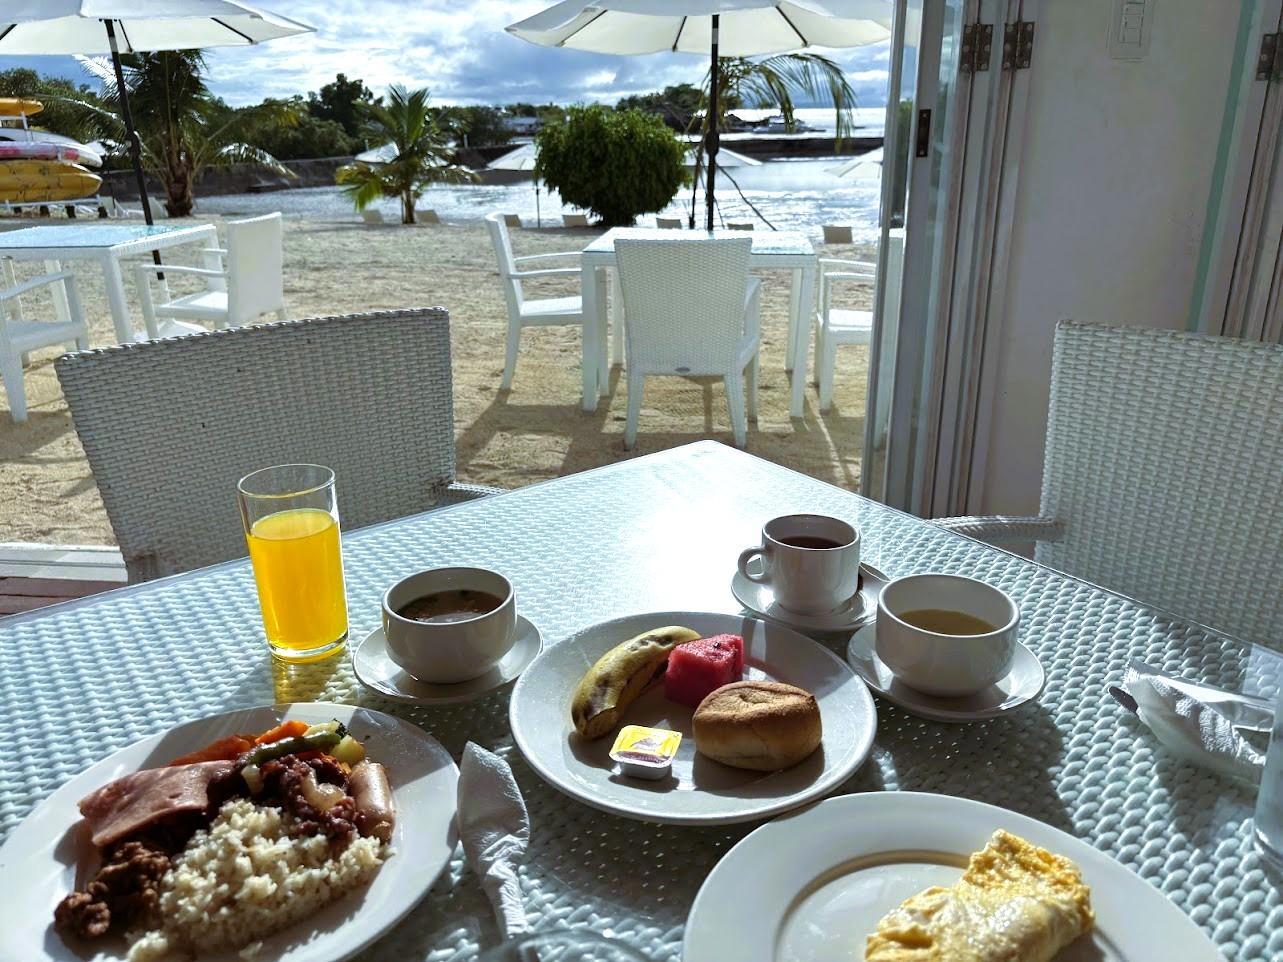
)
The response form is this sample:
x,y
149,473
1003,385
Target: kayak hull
x,y
43,150
45,182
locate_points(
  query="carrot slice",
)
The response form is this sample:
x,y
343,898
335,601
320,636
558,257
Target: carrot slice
x,y
286,729
225,748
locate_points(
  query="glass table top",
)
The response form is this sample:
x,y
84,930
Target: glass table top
x,y
765,242
84,235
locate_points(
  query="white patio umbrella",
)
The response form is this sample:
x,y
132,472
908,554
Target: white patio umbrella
x,y
129,26
523,158
725,158
723,28
863,165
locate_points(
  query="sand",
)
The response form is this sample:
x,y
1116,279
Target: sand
x,y
534,432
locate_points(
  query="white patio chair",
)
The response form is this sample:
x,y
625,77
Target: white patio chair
x,y
426,216
574,220
19,336
669,223
837,234
837,326
692,310
524,312
250,286
372,218
169,426
1161,477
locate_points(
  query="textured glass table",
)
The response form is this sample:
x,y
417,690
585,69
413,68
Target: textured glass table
x,y
663,532
106,244
779,249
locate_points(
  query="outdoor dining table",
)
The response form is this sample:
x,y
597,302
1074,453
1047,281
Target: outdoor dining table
x,y
662,532
789,250
107,244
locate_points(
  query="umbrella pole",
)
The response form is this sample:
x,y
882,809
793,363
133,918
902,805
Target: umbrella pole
x,y
712,140
135,149
538,216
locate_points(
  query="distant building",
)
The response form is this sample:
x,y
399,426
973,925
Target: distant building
x,y
522,126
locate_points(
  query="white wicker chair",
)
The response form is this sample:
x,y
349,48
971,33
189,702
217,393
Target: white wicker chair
x,y
20,335
1162,474
692,310
836,326
524,312
251,285
169,426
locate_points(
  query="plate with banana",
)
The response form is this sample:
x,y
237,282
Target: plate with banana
x,y
693,718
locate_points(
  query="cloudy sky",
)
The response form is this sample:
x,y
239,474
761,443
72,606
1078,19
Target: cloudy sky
x,y
455,47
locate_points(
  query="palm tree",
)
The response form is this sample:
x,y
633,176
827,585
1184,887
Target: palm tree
x,y
182,126
420,154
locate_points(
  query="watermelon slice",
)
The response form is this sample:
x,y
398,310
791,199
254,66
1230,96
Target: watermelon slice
x,y
699,667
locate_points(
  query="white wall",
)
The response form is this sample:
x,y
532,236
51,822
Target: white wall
x,y
1114,182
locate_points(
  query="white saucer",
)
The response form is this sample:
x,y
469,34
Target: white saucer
x,y
1020,686
759,598
376,670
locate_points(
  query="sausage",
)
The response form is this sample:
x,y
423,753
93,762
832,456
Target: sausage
x,y
375,814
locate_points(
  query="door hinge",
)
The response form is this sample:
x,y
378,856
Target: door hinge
x,y
923,145
1267,61
977,47
1018,45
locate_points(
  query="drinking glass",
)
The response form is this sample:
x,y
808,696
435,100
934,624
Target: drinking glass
x,y
1269,801
291,520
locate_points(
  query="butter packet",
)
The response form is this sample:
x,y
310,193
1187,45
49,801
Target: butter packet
x,y
645,752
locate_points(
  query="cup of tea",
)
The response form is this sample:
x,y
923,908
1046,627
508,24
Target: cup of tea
x,y
810,561
946,635
447,625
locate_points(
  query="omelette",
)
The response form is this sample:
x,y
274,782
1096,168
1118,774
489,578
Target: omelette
x,y
1016,902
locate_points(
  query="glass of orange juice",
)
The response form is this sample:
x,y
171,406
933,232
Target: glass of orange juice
x,y
291,521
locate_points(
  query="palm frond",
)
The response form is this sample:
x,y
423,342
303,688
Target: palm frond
x,y
241,153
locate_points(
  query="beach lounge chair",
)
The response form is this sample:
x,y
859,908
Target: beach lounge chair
x,y
837,234
20,336
511,220
249,287
368,395
426,216
836,326
669,223
574,220
158,211
1161,474
692,309
523,311
372,217
739,226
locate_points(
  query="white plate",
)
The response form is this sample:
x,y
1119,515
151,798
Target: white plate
x,y
1019,687
759,598
809,887
40,860
700,791
374,669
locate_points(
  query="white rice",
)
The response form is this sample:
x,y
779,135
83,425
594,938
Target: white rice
x,y
245,878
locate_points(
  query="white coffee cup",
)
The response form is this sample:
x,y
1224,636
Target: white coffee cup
x,y
453,651
946,664
811,562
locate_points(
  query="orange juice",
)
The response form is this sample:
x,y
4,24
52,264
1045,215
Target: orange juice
x,y
299,571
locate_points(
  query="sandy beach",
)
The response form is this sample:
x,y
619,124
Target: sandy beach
x,y
534,432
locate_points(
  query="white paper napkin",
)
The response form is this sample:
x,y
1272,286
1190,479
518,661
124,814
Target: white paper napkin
x,y
1200,723
495,829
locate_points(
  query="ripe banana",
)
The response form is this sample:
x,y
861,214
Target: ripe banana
x,y
619,676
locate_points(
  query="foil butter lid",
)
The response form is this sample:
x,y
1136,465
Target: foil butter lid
x,y
645,752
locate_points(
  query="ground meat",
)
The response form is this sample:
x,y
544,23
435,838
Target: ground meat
x,y
283,787
124,894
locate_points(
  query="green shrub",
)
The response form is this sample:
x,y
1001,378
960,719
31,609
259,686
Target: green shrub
x,y
616,163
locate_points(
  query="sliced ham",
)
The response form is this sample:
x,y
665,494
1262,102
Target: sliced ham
x,y
124,806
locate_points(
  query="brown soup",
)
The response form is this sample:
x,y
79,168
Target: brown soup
x,y
944,621
811,541
442,607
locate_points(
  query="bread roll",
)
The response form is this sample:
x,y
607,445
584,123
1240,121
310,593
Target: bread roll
x,y
761,725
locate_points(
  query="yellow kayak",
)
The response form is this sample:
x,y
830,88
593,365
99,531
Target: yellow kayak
x,y
17,107
45,182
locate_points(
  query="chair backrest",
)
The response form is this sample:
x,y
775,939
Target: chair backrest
x,y
836,234
372,216
169,426
1164,458
574,220
684,299
255,282
427,216
739,226
498,225
669,223
512,220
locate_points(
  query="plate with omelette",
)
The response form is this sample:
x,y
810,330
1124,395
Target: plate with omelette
x,y
914,877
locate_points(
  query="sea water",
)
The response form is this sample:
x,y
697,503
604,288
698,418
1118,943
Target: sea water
x,y
1269,801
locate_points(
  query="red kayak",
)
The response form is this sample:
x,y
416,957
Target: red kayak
x,y
43,150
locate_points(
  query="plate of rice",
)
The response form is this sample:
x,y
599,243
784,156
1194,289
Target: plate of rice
x,y
289,833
